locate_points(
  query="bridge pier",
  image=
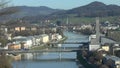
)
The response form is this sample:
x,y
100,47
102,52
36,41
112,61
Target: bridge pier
x,y
60,56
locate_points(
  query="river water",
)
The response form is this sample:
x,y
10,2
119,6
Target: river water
x,y
52,60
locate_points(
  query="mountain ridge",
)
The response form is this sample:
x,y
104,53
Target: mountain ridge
x,y
93,9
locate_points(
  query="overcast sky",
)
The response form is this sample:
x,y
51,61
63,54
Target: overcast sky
x,y
60,4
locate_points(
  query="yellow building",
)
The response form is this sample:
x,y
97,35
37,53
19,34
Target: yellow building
x,y
17,28
23,28
20,28
14,46
106,47
45,38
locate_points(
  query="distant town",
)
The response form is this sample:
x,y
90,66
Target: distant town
x,y
101,49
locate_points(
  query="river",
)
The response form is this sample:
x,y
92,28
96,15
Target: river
x,y
52,60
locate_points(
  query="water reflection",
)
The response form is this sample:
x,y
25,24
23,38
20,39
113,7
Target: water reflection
x,y
5,62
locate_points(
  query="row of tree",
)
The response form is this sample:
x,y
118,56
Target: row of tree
x,y
96,59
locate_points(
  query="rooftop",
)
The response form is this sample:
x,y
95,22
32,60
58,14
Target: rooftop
x,y
106,40
113,58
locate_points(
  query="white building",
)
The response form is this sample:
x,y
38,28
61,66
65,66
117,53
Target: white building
x,y
38,40
86,26
94,44
45,38
19,39
56,37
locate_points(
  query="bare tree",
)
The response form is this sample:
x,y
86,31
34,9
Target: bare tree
x,y
4,4
4,63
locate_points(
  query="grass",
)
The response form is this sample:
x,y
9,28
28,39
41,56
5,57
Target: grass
x,y
38,47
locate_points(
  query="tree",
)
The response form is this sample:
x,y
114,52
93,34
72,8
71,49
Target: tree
x,y
3,3
3,41
104,66
4,63
91,59
84,53
109,63
3,11
86,31
58,23
59,30
99,56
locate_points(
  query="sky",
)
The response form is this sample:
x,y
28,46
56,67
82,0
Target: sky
x,y
60,4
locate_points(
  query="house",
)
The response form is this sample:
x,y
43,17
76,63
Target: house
x,y
32,38
108,26
27,42
87,26
45,38
56,37
105,47
22,27
14,46
38,40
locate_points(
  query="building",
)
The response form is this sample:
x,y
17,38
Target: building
x,y
115,61
23,26
45,38
27,42
106,47
95,40
105,40
56,37
14,46
89,26
38,40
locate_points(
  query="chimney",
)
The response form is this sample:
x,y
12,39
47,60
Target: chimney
x,y
97,31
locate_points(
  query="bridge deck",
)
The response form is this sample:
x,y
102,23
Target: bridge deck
x,y
69,43
53,60
39,51
55,49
